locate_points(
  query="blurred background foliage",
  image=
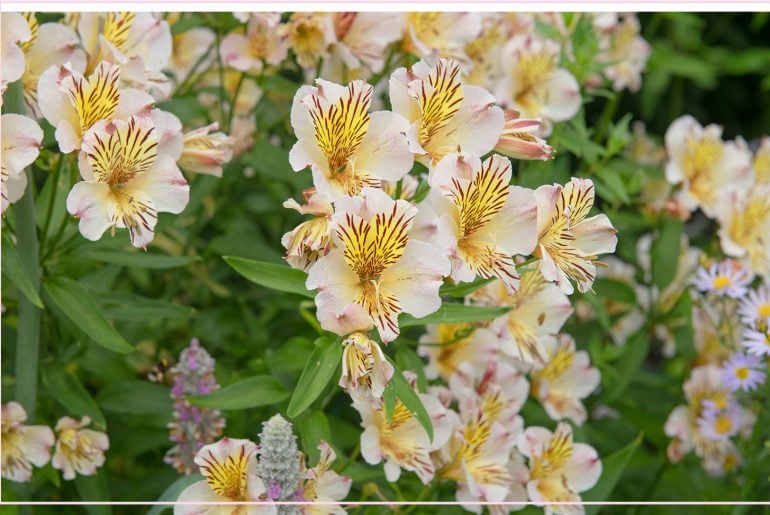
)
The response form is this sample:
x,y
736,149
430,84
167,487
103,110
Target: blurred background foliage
x,y
715,67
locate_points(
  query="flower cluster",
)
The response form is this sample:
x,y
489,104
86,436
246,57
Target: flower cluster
x,y
193,426
78,450
96,78
239,470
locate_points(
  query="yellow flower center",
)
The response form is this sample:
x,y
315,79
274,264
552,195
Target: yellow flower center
x,y
531,76
97,98
722,281
307,37
764,310
554,458
723,424
227,478
454,340
742,373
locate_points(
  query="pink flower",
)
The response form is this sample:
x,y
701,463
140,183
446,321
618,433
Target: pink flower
x,y
519,139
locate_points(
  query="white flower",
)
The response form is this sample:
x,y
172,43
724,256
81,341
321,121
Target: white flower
x,y
22,446
78,450
21,139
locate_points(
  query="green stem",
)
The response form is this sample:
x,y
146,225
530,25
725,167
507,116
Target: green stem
x,y
28,336
49,211
604,121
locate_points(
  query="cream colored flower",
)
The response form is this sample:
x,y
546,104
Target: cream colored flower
x,y
205,152
707,167
744,220
347,147
126,181
309,35
365,371
52,44
311,239
431,35
78,450
375,271
448,346
264,41
189,48
487,221
534,84
538,311
74,104
22,446
138,42
762,161
622,50
478,453
324,485
446,116
14,31
569,242
20,140
229,468
559,469
402,443
566,378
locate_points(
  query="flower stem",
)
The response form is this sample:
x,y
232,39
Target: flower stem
x,y
28,335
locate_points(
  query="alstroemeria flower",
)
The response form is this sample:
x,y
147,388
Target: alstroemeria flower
x,y
347,147
138,42
73,104
484,51
519,139
707,167
558,468
478,452
229,467
52,44
323,485
310,35
569,243
448,346
623,50
14,30
313,238
78,450
22,446
446,116
20,140
487,221
535,85
403,443
762,161
264,41
189,48
126,181
430,35
744,222
205,152
538,311
566,378
361,46
365,371
376,271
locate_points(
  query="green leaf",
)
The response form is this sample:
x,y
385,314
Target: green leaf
x,y
127,306
72,395
14,270
627,366
407,359
317,373
389,398
614,290
313,426
411,400
453,312
248,393
665,252
276,277
81,309
612,469
463,289
171,493
136,397
94,488
135,259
